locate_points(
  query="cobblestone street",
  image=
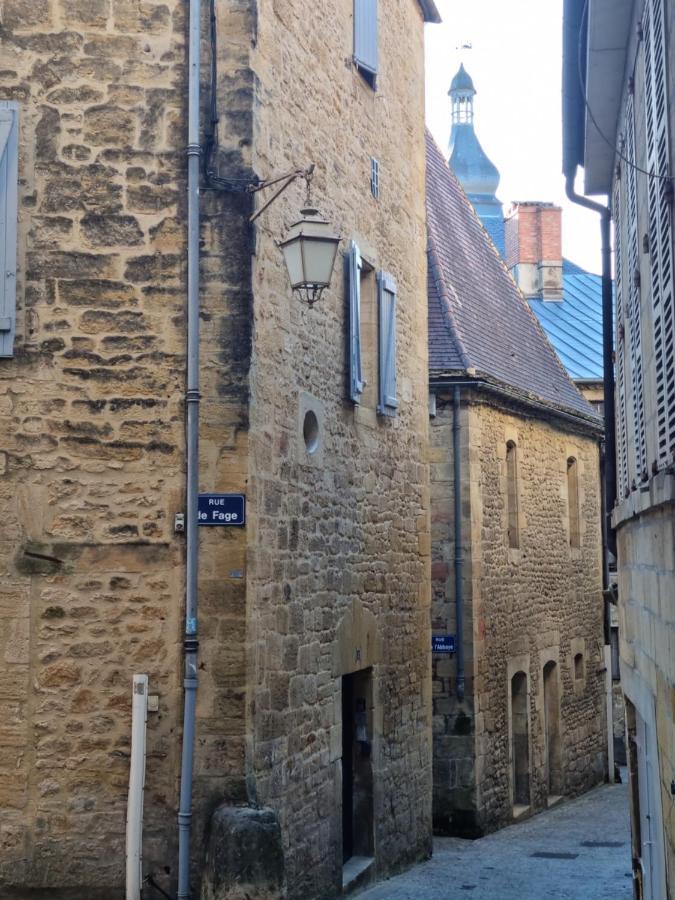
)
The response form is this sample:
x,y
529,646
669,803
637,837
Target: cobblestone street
x,y
577,851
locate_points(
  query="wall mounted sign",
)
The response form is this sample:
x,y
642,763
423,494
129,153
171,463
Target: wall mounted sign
x,y
442,643
221,509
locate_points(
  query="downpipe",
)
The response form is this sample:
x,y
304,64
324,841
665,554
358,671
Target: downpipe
x,y
608,499
192,397
459,586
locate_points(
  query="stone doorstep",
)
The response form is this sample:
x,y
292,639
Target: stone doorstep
x,y
354,870
520,811
553,799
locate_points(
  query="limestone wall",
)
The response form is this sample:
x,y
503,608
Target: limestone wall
x,y
525,607
92,440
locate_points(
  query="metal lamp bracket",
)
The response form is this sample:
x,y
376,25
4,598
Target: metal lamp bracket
x,y
284,180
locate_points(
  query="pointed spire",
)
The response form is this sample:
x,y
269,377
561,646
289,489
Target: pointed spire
x,y
476,173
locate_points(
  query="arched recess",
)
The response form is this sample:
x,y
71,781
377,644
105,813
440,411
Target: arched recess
x,y
552,730
520,740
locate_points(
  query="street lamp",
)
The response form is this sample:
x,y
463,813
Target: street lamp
x,y
309,253
310,247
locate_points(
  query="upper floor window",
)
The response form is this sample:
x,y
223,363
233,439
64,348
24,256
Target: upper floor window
x,y
512,494
365,39
573,502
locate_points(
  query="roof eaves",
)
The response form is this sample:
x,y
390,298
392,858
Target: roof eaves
x,y
429,11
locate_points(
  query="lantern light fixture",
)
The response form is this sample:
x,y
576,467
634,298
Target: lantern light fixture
x,y
310,247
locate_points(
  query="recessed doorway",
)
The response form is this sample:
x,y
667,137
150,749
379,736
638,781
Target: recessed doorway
x,y
357,770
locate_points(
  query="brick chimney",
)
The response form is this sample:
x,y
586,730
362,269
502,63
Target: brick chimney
x,y
533,237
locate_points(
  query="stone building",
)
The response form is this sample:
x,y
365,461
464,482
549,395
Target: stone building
x,y
519,706
314,659
629,94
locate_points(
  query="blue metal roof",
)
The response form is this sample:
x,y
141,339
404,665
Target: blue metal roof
x,y
574,324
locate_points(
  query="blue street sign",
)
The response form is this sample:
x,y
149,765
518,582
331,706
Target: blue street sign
x,y
442,643
221,509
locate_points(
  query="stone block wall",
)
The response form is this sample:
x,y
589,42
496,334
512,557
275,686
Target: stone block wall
x,y
526,607
92,441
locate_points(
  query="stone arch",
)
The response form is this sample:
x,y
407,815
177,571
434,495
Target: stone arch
x,y
520,739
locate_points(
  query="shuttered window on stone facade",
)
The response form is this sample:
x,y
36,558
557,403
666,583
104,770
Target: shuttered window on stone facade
x,y
365,38
386,314
9,168
633,297
621,447
353,267
660,227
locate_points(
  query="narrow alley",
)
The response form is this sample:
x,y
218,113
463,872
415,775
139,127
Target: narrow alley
x,y
578,850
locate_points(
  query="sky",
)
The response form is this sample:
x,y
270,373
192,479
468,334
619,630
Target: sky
x,y
515,62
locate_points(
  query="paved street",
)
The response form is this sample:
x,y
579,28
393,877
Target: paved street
x,y
577,851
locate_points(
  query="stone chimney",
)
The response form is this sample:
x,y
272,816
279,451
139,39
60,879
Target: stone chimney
x,y
534,249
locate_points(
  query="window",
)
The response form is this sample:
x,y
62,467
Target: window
x,y
386,305
365,39
512,495
9,157
573,502
353,266
660,227
578,666
374,177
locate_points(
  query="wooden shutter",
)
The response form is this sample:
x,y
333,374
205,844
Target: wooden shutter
x,y
365,35
621,447
660,227
9,165
633,296
386,305
353,272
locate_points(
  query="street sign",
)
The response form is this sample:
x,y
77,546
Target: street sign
x,y
221,509
443,643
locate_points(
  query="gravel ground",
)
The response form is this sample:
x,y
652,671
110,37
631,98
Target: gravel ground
x,y
578,850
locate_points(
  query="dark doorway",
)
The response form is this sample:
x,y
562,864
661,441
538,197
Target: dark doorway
x,y
357,770
520,747
552,723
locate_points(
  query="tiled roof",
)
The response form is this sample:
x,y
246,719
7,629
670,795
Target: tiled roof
x,y
574,325
477,316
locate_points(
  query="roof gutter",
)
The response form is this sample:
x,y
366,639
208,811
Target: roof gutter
x,y
447,381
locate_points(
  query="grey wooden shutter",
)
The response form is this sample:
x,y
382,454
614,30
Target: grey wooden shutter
x,y
660,228
365,34
353,267
386,303
634,296
622,442
9,167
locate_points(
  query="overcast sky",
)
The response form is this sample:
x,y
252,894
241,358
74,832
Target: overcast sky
x,y
515,63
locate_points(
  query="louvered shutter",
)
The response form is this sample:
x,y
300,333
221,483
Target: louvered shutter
x,y
660,228
386,304
634,298
353,279
365,34
622,460
9,165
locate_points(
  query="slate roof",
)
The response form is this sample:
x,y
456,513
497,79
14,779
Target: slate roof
x,y
477,316
574,324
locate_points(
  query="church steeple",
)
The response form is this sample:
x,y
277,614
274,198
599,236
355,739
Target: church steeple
x,y
476,173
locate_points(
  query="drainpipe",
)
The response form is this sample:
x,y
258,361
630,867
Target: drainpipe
x,y
191,644
459,594
609,462
607,359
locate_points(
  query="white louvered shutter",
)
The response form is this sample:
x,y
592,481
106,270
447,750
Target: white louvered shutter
x,y
353,266
622,457
9,168
660,228
386,296
365,35
633,296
